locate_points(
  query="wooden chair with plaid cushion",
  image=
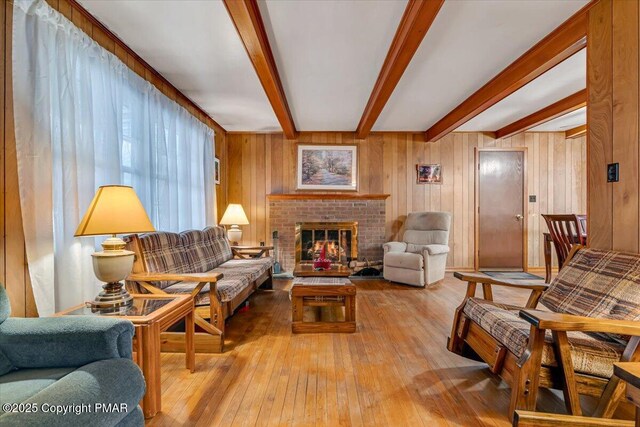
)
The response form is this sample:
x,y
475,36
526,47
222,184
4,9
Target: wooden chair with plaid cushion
x,y
591,321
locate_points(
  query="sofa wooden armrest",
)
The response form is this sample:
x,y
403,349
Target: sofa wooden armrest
x,y
568,322
144,279
486,280
249,248
209,277
539,419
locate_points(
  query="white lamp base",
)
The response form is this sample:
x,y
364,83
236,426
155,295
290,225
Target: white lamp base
x,y
112,266
234,234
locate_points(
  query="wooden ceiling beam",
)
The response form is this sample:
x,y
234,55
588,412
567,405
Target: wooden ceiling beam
x,y
555,110
575,132
414,25
566,40
247,19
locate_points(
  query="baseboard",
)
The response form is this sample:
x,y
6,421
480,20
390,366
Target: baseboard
x,y
468,269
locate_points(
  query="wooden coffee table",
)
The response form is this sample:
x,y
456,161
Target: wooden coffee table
x,y
330,303
151,314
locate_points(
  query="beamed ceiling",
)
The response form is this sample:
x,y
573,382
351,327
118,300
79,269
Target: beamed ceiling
x,y
370,65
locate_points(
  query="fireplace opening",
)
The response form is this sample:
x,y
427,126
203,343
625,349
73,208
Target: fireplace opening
x,y
340,238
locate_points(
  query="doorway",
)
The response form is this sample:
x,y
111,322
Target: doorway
x,y
501,220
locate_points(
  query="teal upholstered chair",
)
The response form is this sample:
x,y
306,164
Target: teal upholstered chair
x,y
51,364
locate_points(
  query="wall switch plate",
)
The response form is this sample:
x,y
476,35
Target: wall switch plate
x,y
532,199
613,172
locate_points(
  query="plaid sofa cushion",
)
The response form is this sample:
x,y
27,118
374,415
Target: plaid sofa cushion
x,y
237,275
253,268
590,355
203,255
216,239
597,283
164,253
228,288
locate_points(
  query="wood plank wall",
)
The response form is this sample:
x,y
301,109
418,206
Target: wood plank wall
x,y
14,272
261,164
613,80
13,265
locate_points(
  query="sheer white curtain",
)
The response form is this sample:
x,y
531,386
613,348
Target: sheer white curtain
x,y
83,119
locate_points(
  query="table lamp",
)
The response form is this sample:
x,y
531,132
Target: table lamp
x,y
234,216
115,209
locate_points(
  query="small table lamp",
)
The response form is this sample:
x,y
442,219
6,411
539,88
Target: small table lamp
x,y
234,216
115,209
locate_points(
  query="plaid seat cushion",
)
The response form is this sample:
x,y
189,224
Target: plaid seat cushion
x,y
597,283
590,355
164,253
228,288
206,249
254,267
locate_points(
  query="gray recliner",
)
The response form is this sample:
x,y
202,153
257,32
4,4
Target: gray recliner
x,y
421,257
66,371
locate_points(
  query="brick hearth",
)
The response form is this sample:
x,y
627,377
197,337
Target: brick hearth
x,y
285,210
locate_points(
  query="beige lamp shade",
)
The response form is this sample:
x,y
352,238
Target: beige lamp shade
x,y
234,215
115,209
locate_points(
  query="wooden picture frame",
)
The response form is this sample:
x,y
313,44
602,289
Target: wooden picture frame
x,y
429,173
327,167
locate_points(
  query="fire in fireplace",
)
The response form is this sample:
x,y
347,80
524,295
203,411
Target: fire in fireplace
x,y
340,238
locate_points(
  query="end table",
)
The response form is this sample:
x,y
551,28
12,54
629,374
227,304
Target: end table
x,y
151,314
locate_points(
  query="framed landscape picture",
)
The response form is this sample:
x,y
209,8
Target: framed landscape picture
x,y
429,174
327,167
216,170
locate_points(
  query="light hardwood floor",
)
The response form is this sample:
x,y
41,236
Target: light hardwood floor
x,y
394,371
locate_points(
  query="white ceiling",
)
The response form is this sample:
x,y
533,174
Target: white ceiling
x,y
468,44
566,78
195,46
329,54
566,122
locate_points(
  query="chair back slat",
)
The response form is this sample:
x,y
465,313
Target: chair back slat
x,y
566,230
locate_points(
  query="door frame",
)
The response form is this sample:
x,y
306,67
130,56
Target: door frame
x,y
525,210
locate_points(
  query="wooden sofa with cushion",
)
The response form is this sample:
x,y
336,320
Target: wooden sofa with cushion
x,y
590,322
201,263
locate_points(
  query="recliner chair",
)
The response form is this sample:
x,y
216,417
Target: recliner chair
x,y
421,257
52,364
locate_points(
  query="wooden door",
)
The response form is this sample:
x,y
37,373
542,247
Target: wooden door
x,y
501,219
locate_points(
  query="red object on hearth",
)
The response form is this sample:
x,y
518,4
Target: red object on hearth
x,y
321,263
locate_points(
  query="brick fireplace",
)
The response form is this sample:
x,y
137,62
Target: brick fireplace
x,y
287,212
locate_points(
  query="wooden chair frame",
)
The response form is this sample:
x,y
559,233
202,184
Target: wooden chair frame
x,y
539,419
526,374
211,318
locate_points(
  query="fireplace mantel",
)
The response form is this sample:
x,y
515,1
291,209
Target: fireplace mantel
x,y
326,196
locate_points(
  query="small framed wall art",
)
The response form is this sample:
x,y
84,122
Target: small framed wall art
x,y
429,174
216,170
